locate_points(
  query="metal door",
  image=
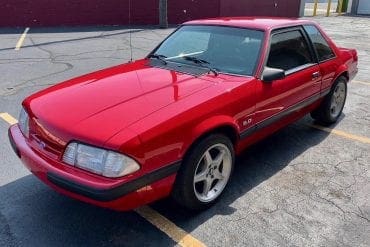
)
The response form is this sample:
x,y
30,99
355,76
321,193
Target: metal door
x,y
286,8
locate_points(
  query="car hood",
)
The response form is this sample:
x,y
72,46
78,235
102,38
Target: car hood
x,y
96,106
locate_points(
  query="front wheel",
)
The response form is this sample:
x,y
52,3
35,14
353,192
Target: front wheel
x,y
205,172
332,106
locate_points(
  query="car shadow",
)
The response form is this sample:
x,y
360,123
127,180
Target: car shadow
x,y
33,215
255,165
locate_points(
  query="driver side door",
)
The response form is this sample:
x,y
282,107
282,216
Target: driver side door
x,y
290,51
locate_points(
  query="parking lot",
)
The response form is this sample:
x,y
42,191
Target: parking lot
x,y
304,186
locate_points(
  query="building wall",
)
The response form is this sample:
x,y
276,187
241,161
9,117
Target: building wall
x,y
184,10
287,8
76,12
363,7
360,7
110,12
349,8
354,6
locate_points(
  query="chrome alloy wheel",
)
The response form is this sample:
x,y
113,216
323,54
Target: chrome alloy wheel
x,y
338,100
212,172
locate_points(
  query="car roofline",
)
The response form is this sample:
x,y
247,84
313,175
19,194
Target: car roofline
x,y
259,23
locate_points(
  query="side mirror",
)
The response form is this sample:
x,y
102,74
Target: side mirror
x,y
272,74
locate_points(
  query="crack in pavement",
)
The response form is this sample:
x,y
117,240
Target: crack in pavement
x,y
101,35
60,59
52,59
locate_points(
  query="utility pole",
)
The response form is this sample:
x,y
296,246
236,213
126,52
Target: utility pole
x,y
163,22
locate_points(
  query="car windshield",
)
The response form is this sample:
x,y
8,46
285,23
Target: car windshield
x,y
223,49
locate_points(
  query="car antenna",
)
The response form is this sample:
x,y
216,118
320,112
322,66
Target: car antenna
x,y
130,31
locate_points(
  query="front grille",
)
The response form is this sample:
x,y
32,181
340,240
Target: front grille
x,y
44,141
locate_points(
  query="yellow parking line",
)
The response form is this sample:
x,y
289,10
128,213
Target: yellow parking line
x,y
341,133
8,118
177,234
21,39
361,82
173,231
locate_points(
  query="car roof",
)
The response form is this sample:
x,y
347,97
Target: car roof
x,y
262,23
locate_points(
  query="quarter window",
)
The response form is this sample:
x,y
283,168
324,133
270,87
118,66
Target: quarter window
x,y
288,51
322,47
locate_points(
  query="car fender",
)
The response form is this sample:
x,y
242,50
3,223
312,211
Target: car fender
x,y
207,126
342,69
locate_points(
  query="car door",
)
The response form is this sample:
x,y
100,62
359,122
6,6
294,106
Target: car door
x,y
325,55
290,51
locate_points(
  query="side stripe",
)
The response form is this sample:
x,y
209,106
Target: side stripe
x,y
283,114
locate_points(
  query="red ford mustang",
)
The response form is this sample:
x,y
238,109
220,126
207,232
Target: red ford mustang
x,y
171,124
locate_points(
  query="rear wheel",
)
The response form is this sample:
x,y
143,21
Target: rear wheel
x,y
332,106
205,172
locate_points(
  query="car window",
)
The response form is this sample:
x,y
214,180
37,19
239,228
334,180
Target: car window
x,y
322,47
226,49
289,50
186,43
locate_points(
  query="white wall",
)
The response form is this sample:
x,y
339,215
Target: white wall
x,y
349,8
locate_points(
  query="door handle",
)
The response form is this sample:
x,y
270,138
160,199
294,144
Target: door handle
x,y
315,75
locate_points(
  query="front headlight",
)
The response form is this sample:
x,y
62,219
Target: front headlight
x,y
23,122
100,161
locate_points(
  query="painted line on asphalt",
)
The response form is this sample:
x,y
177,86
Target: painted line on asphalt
x,y
21,39
180,236
361,82
173,231
8,118
341,133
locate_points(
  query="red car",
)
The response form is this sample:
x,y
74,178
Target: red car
x,y
172,123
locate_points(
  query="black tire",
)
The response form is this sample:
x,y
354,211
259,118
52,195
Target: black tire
x,y
185,191
324,113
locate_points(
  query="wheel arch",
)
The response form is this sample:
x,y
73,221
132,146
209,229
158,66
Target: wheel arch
x,y
216,125
342,71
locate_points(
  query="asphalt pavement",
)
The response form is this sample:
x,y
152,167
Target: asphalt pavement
x,y
302,186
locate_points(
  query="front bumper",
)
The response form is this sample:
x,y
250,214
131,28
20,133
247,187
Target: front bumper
x,y
119,194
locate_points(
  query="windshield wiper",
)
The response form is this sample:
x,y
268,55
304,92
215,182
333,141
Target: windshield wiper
x,y
201,62
160,57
